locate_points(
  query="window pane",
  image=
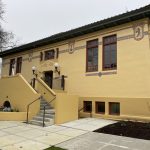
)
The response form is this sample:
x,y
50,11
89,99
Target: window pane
x,y
114,108
49,54
19,65
110,53
92,56
100,107
12,63
87,106
93,43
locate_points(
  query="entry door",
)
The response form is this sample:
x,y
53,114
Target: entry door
x,y
49,78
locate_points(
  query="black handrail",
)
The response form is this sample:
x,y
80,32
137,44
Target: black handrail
x,y
28,107
83,109
44,110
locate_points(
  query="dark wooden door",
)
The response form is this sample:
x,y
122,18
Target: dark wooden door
x,y
49,78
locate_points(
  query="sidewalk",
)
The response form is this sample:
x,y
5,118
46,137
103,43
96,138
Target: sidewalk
x,y
75,135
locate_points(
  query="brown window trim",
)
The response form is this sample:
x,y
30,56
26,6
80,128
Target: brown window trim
x,y
57,53
103,68
96,107
19,65
12,63
87,71
41,56
110,113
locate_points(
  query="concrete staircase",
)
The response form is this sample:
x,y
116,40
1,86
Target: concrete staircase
x,y
49,115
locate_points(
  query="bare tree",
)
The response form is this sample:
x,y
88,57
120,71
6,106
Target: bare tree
x,y
5,36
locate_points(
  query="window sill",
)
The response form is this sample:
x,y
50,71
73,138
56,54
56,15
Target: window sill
x,y
92,73
114,114
87,111
100,113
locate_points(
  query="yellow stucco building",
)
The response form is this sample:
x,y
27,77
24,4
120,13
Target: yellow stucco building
x,y
104,67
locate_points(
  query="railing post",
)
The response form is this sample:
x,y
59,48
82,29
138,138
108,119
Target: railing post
x,y
28,106
27,114
44,117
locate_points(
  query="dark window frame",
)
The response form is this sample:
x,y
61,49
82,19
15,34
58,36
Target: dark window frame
x,y
103,47
57,53
85,105
110,105
96,107
95,68
19,65
12,64
50,54
41,56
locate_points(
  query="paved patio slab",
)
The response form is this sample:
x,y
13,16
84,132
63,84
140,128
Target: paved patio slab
x,y
98,141
88,124
75,135
27,145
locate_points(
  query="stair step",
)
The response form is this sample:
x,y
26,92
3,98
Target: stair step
x,y
43,102
46,107
40,123
40,118
46,115
48,111
49,115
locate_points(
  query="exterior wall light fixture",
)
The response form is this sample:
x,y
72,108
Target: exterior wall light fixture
x,y
34,70
56,65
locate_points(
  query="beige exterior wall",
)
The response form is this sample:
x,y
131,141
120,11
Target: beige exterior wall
x,y
130,108
46,92
129,84
13,116
66,107
19,93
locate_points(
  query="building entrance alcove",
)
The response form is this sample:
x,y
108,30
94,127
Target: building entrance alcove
x,y
48,78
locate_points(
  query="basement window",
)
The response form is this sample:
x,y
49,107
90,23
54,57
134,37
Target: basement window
x,y
87,106
114,108
100,107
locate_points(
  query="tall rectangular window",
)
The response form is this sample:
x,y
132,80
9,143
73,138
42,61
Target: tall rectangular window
x,y
57,53
92,56
19,65
12,63
41,56
110,52
50,54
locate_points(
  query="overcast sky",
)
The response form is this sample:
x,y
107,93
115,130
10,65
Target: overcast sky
x,y
32,20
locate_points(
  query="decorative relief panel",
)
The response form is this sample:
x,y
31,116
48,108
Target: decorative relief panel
x,y
30,56
71,45
138,31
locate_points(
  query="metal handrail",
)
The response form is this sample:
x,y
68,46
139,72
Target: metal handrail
x,y
44,109
28,107
83,109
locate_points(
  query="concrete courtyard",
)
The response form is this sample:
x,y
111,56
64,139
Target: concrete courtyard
x,y
75,135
